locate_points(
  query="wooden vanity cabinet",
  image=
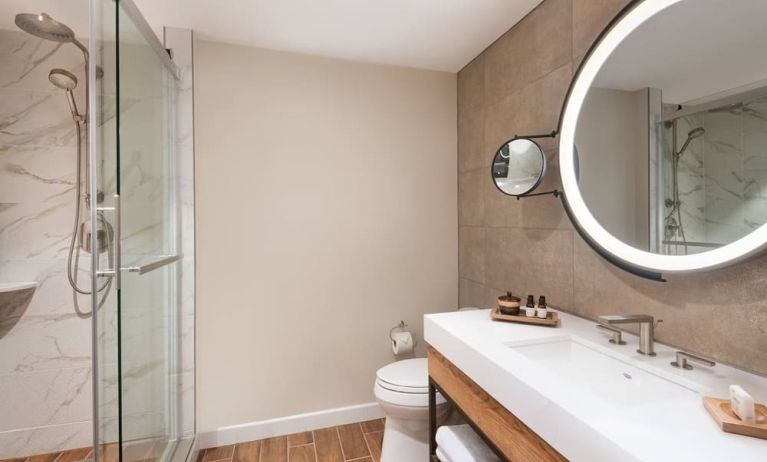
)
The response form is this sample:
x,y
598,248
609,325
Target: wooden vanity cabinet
x,y
511,439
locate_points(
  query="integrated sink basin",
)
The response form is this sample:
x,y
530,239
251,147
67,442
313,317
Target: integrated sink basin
x,y
585,371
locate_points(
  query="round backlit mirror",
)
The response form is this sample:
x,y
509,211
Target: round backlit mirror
x,y
669,114
518,167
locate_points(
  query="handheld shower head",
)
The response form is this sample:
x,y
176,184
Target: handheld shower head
x,y
697,132
66,81
45,27
694,133
62,79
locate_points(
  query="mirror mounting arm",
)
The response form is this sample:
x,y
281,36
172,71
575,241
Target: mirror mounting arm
x,y
554,193
553,134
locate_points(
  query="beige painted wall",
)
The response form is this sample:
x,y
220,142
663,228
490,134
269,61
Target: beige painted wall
x,y
326,212
518,85
612,136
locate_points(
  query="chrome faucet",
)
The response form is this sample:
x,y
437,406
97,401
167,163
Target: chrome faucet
x,y
646,329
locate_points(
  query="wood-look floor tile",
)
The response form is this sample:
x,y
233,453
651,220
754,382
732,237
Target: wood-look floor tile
x,y
220,453
299,439
303,453
327,445
17,459
75,455
44,457
247,452
361,459
352,441
375,443
373,426
110,452
274,449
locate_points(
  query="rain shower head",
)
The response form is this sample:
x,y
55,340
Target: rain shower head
x,y
63,79
43,26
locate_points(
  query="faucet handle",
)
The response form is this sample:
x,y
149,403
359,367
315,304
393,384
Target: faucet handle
x,y
683,360
616,334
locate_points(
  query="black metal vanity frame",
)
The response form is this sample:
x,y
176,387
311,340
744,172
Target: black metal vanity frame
x,y
433,389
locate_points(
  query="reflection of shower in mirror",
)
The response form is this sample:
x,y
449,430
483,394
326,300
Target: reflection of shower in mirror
x,y
674,236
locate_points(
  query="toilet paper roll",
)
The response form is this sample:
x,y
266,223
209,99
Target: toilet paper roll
x,y
402,342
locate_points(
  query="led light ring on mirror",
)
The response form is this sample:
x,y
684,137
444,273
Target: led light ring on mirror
x,y
728,254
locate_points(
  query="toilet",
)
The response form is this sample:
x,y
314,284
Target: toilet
x,y
402,390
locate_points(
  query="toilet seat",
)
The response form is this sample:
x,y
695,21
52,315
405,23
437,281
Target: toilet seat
x,y
405,383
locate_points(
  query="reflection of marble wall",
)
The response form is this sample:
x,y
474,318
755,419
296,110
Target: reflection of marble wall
x,y
692,193
45,365
722,177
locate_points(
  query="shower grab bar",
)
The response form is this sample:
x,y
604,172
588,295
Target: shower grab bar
x,y
694,244
156,264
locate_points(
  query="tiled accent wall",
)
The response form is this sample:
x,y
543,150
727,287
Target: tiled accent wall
x,y
45,359
517,86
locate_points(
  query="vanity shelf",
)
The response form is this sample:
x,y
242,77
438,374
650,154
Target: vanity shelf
x,y
503,432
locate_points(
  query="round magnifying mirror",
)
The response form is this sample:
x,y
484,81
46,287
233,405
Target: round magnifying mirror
x,y
518,167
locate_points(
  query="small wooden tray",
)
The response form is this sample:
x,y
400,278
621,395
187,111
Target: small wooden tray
x,y
722,413
552,319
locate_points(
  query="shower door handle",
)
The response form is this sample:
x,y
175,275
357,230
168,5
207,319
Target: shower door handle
x,y
114,272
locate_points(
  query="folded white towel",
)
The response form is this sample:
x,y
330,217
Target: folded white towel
x,y
459,443
441,455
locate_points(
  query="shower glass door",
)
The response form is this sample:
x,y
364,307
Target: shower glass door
x,y
134,172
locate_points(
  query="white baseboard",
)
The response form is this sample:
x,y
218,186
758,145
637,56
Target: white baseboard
x,y
286,425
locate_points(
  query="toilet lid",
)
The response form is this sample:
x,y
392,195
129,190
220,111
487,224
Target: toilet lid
x,y
409,375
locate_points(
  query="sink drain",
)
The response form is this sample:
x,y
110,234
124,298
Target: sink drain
x,y
627,375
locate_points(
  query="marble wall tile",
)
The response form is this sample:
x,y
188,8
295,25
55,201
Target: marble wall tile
x,y
49,397
46,439
723,171
530,247
45,360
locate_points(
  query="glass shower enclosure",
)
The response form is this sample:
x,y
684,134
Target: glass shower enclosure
x,y
133,171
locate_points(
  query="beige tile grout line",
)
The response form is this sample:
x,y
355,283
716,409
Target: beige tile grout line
x,y
314,438
314,442
370,453
338,435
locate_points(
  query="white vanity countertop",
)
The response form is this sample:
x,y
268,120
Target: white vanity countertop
x,y
582,426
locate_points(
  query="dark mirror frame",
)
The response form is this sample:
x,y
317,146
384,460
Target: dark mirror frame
x,y
541,174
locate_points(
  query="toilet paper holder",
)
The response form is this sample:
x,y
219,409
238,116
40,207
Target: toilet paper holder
x,y
401,326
